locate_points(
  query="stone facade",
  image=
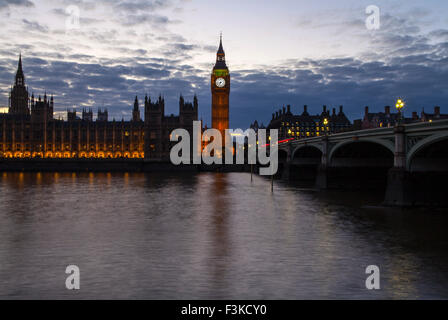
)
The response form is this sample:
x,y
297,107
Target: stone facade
x,y
29,129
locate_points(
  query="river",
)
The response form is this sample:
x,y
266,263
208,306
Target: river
x,y
211,236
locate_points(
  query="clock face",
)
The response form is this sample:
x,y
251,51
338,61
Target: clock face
x,y
220,82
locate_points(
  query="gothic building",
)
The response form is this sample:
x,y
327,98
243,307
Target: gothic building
x,y
158,127
29,129
220,86
18,99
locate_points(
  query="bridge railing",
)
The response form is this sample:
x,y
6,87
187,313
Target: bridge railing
x,y
410,127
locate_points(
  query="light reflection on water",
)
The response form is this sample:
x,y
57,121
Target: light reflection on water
x,y
215,236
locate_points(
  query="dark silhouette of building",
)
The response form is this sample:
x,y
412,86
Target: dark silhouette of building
x,y
18,101
136,111
158,127
381,119
102,115
220,86
29,129
390,119
433,116
306,125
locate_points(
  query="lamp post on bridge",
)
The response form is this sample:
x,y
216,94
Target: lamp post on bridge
x,y
326,126
400,105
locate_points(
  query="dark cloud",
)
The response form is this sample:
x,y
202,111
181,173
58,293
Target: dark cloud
x,y
400,61
142,5
18,3
353,82
154,20
35,26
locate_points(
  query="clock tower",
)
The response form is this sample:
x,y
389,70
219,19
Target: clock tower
x,y
220,86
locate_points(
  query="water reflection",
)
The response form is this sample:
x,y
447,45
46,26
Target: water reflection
x,y
210,236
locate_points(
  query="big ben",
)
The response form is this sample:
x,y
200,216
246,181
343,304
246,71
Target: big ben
x,y
220,85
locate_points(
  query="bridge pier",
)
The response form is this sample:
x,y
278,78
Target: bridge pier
x,y
399,183
322,171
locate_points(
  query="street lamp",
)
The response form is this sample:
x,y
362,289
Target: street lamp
x,y
326,126
399,105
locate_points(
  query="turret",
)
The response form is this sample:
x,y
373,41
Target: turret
x,y
136,111
195,103
20,77
305,110
19,97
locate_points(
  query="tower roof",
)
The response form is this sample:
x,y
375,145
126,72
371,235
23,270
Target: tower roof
x,y
220,49
20,63
19,74
220,56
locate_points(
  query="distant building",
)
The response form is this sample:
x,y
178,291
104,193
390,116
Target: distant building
x,y
306,125
220,86
433,116
29,129
102,115
158,127
19,96
381,119
255,126
389,119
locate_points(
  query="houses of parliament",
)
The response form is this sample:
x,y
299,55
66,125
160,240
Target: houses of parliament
x,y
29,129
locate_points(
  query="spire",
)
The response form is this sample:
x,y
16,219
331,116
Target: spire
x,y
20,78
136,106
19,67
220,56
220,49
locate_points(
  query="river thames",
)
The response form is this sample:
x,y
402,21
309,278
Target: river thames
x,y
211,236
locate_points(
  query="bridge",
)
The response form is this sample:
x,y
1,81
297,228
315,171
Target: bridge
x,y
410,160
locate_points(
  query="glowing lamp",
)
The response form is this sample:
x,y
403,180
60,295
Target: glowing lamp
x,y
400,104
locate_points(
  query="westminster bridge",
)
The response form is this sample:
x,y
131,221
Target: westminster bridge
x,y
410,161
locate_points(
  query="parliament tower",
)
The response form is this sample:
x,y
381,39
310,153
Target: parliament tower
x,y
19,98
220,86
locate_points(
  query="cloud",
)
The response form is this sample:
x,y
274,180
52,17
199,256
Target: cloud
x,y
126,48
18,3
152,19
35,26
142,5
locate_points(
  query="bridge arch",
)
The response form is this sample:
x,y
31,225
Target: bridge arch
x,y
307,146
386,144
422,144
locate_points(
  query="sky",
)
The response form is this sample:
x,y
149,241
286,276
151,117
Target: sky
x,y
284,52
